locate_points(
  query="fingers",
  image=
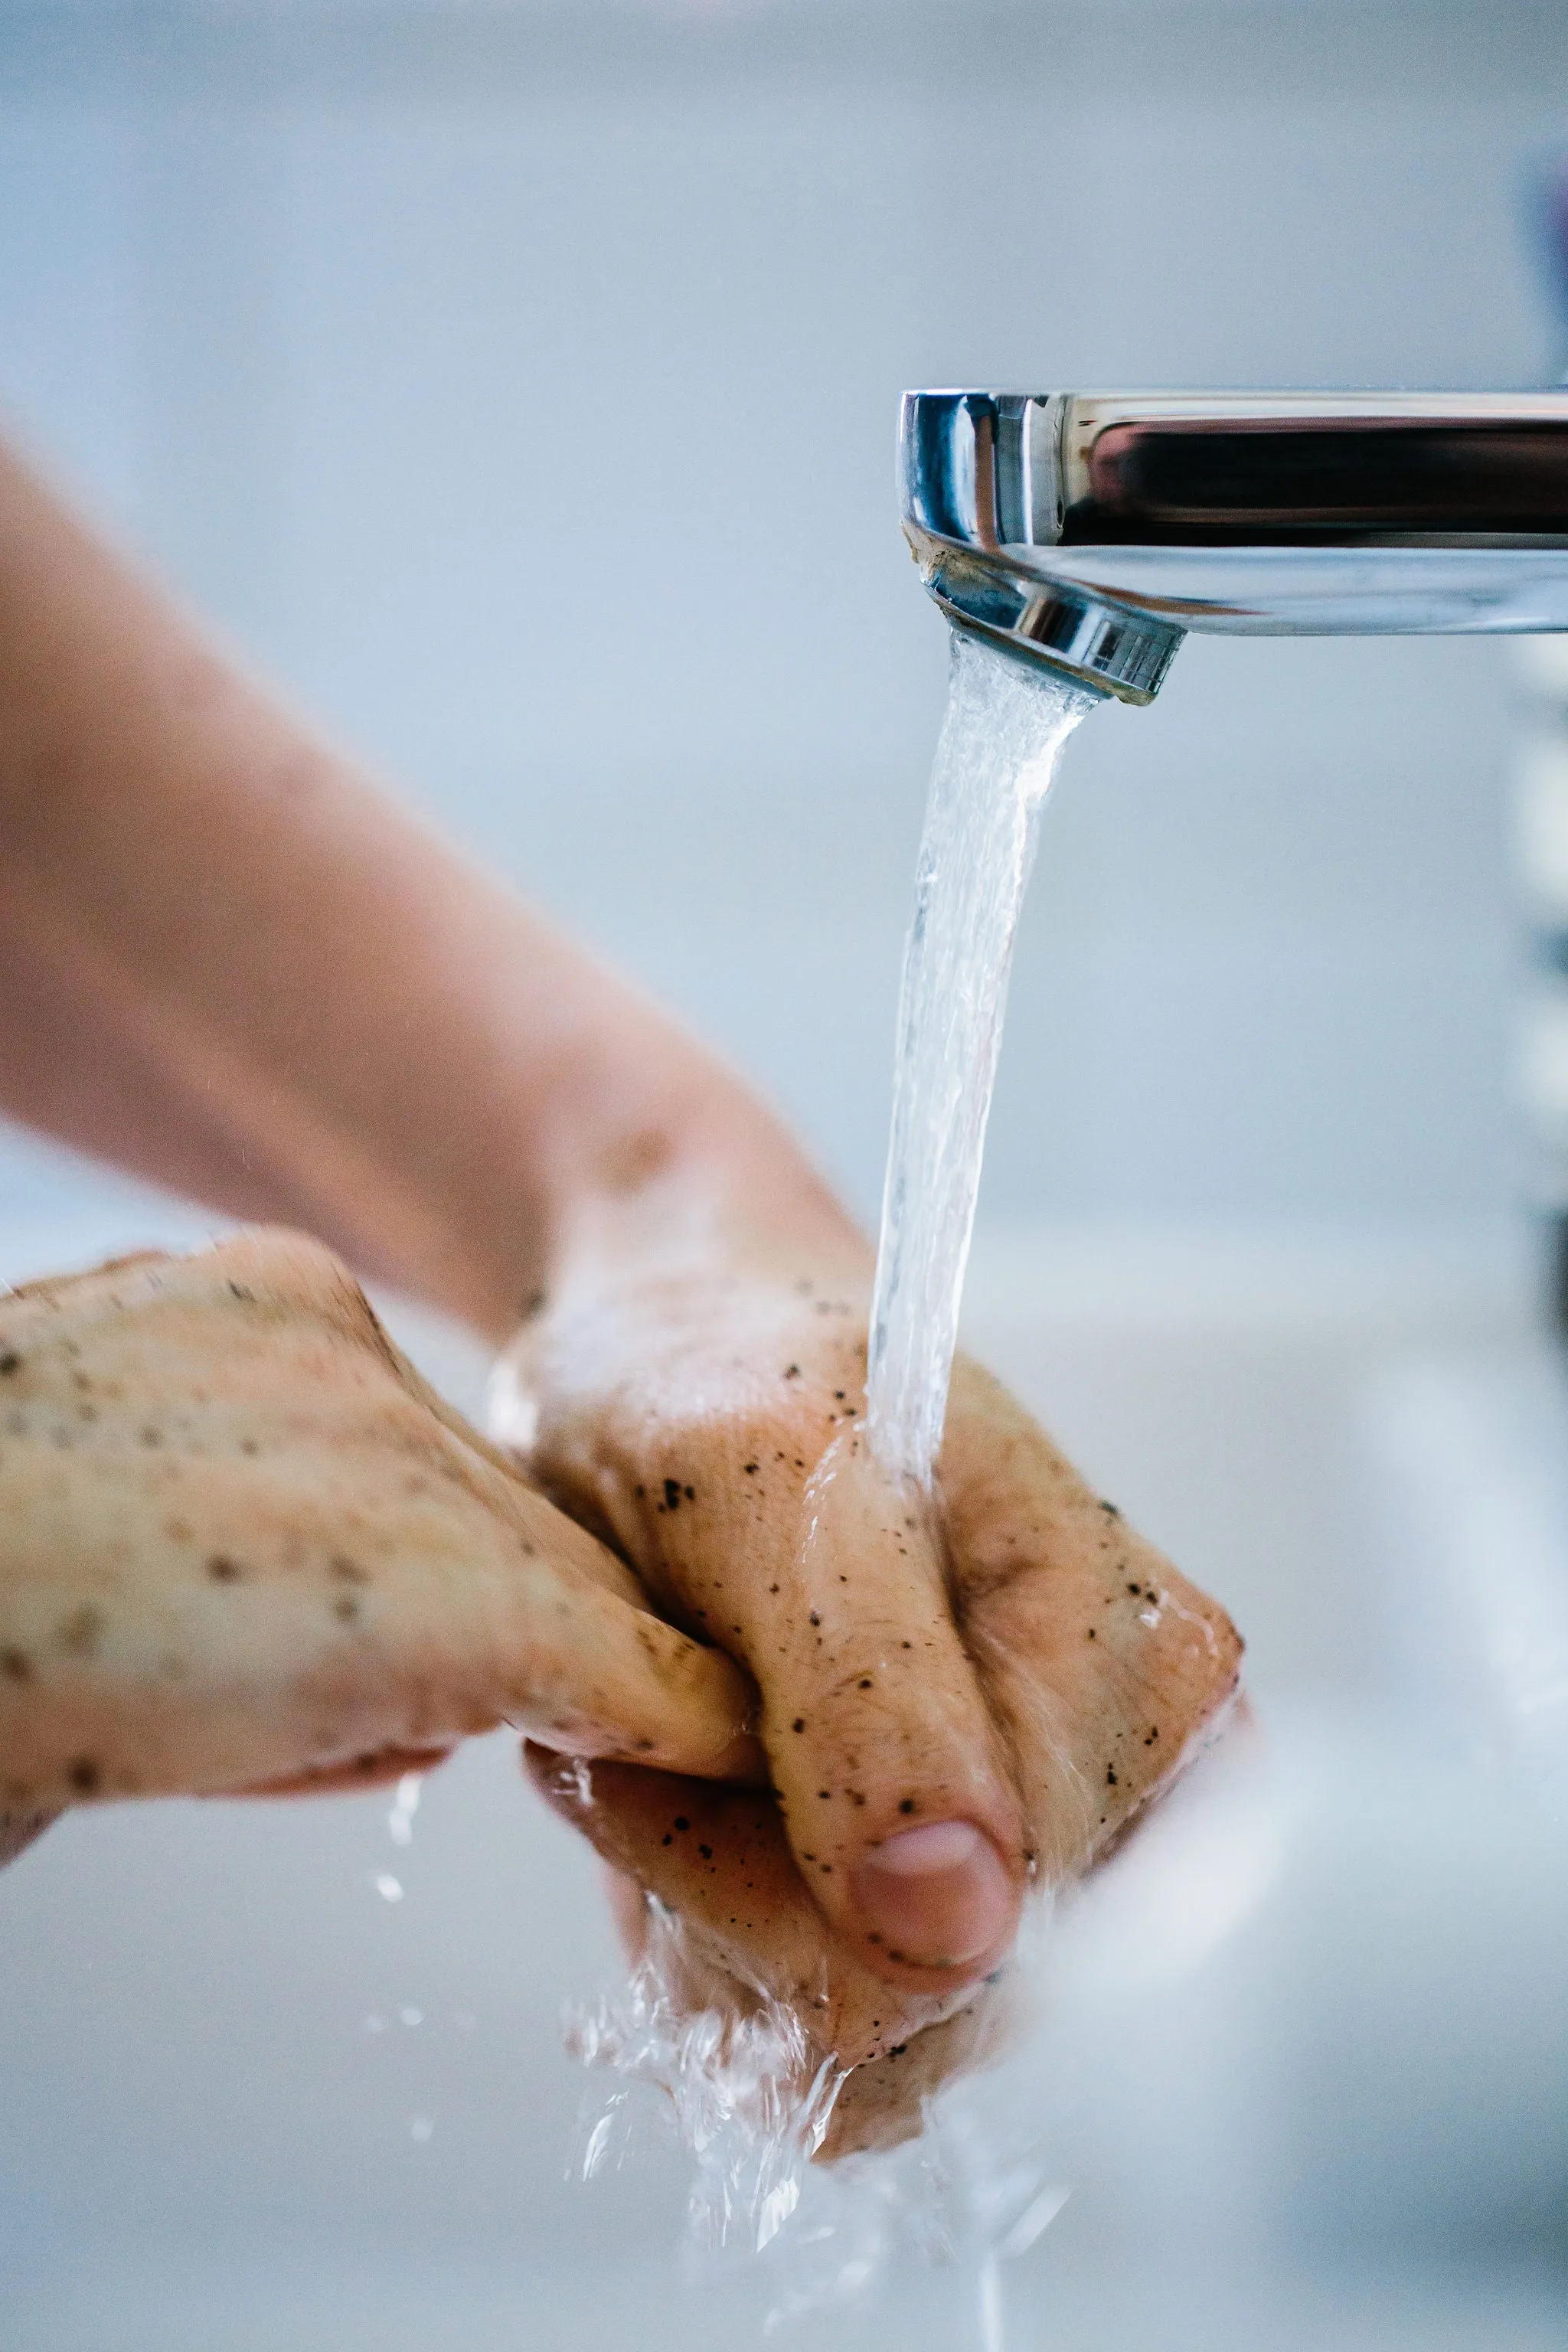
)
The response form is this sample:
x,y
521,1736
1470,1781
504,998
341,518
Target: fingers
x,y
1078,1652
241,1541
719,1858
885,1760
719,1863
735,1474
1102,1663
882,2102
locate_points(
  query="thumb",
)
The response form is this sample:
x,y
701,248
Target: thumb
x,y
754,1505
889,1770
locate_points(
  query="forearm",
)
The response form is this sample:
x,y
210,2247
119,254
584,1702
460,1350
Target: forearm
x,y
228,961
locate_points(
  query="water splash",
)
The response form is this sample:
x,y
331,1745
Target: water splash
x,y
1001,740
751,2097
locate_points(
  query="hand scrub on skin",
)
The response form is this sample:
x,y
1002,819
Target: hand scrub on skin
x,y
245,1544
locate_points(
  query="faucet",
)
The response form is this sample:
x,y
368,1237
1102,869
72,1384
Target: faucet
x,y
1089,531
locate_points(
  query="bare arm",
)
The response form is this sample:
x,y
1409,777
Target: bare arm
x,y
229,962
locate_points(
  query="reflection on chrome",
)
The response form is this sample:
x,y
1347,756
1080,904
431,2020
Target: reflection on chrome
x,y
1091,531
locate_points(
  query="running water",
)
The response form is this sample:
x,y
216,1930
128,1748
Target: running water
x,y
746,2107
1001,739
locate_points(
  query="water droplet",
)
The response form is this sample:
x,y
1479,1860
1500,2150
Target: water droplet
x,y
405,1805
390,1889
420,2129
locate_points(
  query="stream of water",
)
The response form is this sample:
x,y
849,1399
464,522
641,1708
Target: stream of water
x,y
1001,740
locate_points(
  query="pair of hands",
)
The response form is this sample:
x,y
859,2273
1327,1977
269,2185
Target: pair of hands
x,y
245,1547
241,1545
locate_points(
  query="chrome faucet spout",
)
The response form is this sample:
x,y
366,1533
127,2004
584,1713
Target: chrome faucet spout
x,y
1091,531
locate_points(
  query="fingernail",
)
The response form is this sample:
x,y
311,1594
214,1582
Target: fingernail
x,y
937,1895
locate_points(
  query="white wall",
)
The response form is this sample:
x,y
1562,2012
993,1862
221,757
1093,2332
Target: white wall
x,y
518,384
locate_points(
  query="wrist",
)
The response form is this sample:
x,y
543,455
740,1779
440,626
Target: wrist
x,y
715,1189
670,1292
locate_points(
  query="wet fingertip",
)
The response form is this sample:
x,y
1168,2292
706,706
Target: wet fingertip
x,y
939,1896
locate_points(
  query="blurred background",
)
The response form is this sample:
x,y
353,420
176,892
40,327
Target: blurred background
x,y
516,384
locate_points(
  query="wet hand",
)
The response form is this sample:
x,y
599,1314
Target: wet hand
x,y
242,1543
947,1710
711,1427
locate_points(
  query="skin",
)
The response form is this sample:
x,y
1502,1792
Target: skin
x,y
244,1543
229,962
1099,1668
753,1512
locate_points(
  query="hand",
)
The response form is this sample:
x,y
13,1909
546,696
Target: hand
x,y
946,1711
242,1544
